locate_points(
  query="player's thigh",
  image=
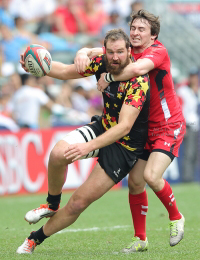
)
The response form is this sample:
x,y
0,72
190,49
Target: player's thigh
x,y
136,175
156,165
97,184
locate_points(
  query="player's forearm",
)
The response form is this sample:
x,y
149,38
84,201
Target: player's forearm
x,y
110,136
130,71
63,71
91,52
138,68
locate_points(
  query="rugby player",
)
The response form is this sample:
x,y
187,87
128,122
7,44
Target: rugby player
x,y
166,124
117,138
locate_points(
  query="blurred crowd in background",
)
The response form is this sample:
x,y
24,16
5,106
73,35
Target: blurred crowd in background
x,y
63,27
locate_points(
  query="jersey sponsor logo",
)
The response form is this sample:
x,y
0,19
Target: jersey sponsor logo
x,y
150,56
168,144
121,87
109,94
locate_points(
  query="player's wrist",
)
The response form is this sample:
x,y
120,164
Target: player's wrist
x,y
109,77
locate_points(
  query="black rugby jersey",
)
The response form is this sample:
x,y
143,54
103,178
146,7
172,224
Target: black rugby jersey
x,y
134,92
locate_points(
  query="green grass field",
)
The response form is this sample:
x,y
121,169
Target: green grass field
x,y
104,228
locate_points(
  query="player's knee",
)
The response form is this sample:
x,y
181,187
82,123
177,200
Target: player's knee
x,y
57,156
150,177
135,185
76,205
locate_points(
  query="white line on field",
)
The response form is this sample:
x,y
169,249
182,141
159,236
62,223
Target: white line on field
x,y
93,229
70,230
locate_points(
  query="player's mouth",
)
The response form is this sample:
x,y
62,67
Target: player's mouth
x,y
115,63
135,39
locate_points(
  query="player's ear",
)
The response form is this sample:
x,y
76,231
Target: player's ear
x,y
129,51
153,37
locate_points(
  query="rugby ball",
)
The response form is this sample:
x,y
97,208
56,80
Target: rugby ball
x,y
37,60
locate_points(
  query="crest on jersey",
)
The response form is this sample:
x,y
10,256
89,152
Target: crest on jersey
x,y
121,87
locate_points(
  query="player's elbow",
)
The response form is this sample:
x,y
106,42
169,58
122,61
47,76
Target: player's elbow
x,y
127,128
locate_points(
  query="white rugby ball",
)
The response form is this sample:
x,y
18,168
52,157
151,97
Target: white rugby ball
x,y
37,60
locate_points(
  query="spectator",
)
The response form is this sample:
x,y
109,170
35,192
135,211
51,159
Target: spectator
x,y
79,99
65,21
6,93
7,123
96,101
26,102
135,7
115,21
123,7
188,95
5,17
21,31
11,46
15,81
91,18
64,97
32,10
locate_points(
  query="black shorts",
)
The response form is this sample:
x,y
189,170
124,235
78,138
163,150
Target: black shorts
x,y
146,154
116,160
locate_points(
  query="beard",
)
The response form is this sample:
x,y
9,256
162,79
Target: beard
x,y
116,70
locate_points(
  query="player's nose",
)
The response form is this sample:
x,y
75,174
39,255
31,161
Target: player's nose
x,y
115,56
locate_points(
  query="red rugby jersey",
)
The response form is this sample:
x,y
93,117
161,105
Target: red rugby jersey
x,y
164,104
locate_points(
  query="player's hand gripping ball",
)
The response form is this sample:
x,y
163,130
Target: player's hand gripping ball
x,y
37,60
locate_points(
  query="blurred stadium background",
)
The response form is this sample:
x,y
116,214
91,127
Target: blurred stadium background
x,y
63,27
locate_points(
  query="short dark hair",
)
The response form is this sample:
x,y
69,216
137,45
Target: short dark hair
x,y
117,34
153,20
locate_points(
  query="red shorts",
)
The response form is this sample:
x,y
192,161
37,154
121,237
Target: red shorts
x,y
167,137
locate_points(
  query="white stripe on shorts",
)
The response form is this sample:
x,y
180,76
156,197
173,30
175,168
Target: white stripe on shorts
x,y
82,135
